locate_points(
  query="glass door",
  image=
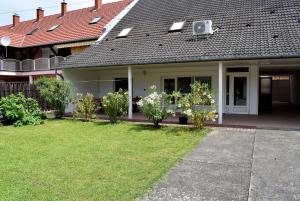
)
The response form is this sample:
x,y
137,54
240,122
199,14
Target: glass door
x,y
237,94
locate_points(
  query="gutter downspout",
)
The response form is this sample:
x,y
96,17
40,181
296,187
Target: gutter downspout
x,y
116,20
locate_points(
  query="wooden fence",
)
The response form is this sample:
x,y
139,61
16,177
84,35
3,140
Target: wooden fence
x,y
8,88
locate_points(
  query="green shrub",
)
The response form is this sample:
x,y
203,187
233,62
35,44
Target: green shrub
x,y
56,92
115,105
156,107
84,106
199,105
17,110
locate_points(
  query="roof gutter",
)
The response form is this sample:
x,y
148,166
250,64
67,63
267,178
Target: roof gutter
x,y
108,27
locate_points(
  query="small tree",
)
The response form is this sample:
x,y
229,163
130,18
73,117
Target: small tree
x,y
115,105
199,105
56,92
156,107
85,106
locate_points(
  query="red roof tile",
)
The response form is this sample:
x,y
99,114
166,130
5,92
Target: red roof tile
x,y
74,26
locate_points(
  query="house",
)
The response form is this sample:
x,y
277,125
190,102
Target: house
x,y
248,51
39,44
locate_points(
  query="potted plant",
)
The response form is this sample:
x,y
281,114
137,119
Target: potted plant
x,y
184,105
199,105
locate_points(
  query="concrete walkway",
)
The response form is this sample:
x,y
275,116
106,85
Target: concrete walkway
x,y
232,164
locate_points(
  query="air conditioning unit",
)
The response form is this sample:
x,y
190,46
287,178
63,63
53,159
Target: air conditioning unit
x,y
202,27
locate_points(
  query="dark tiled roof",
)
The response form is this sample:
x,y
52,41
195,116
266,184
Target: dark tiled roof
x,y
74,26
248,29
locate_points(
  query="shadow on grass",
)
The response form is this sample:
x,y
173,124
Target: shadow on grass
x,y
169,130
102,123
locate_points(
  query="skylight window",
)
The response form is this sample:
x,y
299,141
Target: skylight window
x,y
177,26
53,27
124,33
95,20
32,31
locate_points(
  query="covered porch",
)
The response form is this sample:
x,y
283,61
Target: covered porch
x,y
235,84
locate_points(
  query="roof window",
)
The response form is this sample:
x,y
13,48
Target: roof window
x,y
95,20
53,27
32,31
177,26
124,33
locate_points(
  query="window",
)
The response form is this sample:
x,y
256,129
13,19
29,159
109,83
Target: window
x,y
121,83
184,84
95,20
177,26
169,85
204,80
227,89
53,27
240,91
124,33
32,31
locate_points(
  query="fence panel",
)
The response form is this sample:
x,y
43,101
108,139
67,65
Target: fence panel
x,y
8,88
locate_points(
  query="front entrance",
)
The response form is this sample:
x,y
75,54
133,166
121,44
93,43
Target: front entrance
x,y
237,94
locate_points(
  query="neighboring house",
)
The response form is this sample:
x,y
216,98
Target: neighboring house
x,y
251,41
38,45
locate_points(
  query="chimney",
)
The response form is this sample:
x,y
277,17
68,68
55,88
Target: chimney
x,y
39,14
63,8
98,4
16,20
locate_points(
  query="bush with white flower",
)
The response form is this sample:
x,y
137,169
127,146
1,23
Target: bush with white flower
x,y
199,105
156,106
115,105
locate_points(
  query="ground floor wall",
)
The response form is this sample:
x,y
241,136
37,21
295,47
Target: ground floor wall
x,y
101,81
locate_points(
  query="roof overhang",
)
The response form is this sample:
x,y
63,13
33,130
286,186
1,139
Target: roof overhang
x,y
75,44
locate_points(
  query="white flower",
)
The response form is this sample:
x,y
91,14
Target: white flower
x,y
140,103
188,112
212,101
153,87
179,105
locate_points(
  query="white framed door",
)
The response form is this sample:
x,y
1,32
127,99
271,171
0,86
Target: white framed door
x,y
237,94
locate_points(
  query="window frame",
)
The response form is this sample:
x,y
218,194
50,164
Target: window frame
x,y
174,28
96,20
53,27
32,31
124,32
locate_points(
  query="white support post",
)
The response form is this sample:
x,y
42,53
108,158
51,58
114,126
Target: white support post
x,y
1,65
220,102
49,64
30,79
130,92
33,65
21,66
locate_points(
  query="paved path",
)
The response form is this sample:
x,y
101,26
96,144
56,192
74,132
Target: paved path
x,y
233,164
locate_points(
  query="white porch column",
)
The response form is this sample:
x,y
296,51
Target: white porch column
x,y
30,79
130,92
220,101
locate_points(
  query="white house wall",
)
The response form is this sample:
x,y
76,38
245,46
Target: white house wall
x,y
100,81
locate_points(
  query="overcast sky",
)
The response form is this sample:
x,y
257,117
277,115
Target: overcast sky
x,y
26,8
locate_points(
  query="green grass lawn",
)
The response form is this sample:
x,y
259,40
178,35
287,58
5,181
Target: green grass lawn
x,y
72,160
